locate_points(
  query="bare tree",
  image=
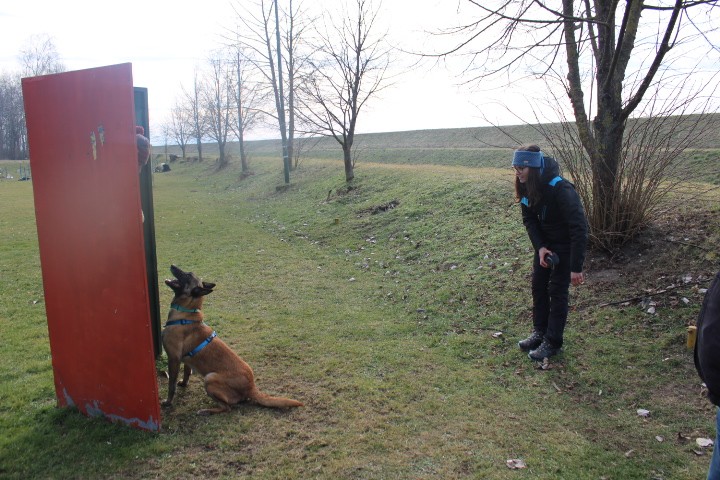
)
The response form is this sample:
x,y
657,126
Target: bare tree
x,y
303,145
180,126
198,123
279,94
614,51
219,100
13,135
248,98
40,57
270,35
166,132
349,68
651,165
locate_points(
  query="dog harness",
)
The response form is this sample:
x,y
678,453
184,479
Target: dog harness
x,y
204,344
184,321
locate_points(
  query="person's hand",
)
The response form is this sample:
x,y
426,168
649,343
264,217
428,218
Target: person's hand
x,y
577,278
543,252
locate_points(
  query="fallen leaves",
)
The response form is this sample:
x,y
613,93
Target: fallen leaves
x,y
700,442
544,365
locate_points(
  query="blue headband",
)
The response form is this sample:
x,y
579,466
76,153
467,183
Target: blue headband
x,y
523,158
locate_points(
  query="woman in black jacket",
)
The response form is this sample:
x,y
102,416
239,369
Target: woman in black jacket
x,y
555,221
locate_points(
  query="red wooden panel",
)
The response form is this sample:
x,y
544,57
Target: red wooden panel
x,y
83,156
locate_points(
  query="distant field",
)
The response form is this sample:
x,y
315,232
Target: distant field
x,y
472,147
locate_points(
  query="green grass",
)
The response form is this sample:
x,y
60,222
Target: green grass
x,y
382,323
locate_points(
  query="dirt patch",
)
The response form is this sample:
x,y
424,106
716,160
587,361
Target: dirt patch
x,y
380,208
343,191
604,276
680,248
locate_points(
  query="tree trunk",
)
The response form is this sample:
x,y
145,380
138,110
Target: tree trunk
x,y
607,212
280,99
243,154
347,159
221,152
602,139
291,107
240,118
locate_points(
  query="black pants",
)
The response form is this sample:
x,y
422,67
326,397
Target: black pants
x,y
550,292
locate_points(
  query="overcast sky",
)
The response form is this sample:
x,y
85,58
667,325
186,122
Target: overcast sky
x,y
167,40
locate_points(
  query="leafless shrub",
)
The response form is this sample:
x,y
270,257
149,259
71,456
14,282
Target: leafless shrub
x,y
653,173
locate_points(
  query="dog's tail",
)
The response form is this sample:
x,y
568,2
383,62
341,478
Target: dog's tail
x,y
275,402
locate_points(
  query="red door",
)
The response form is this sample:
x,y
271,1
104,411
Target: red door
x,y
83,155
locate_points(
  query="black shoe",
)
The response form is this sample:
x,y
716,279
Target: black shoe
x,y
531,342
545,350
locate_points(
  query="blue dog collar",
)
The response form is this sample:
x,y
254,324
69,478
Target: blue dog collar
x,y
179,308
182,321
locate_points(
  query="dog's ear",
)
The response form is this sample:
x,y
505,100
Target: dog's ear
x,y
208,285
200,291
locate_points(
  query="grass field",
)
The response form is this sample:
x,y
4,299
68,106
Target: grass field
x,y
396,326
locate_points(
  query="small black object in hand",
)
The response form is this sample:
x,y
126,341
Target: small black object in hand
x,y
552,259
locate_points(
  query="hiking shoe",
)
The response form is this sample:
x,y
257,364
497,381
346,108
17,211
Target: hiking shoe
x,y
545,350
531,342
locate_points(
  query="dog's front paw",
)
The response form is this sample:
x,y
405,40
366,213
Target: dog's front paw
x,y
182,383
166,403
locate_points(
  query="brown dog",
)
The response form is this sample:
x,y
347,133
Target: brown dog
x,y
228,379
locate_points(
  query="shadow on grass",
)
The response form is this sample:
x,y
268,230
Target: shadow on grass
x,y
63,443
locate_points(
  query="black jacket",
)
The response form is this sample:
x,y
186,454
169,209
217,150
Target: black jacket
x,y
707,344
558,222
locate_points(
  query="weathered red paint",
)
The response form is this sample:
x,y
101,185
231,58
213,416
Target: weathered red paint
x,y
81,133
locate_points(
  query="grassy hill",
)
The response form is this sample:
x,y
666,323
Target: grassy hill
x,y
479,146
391,307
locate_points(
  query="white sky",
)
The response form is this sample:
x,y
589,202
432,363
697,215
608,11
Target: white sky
x,y
166,40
